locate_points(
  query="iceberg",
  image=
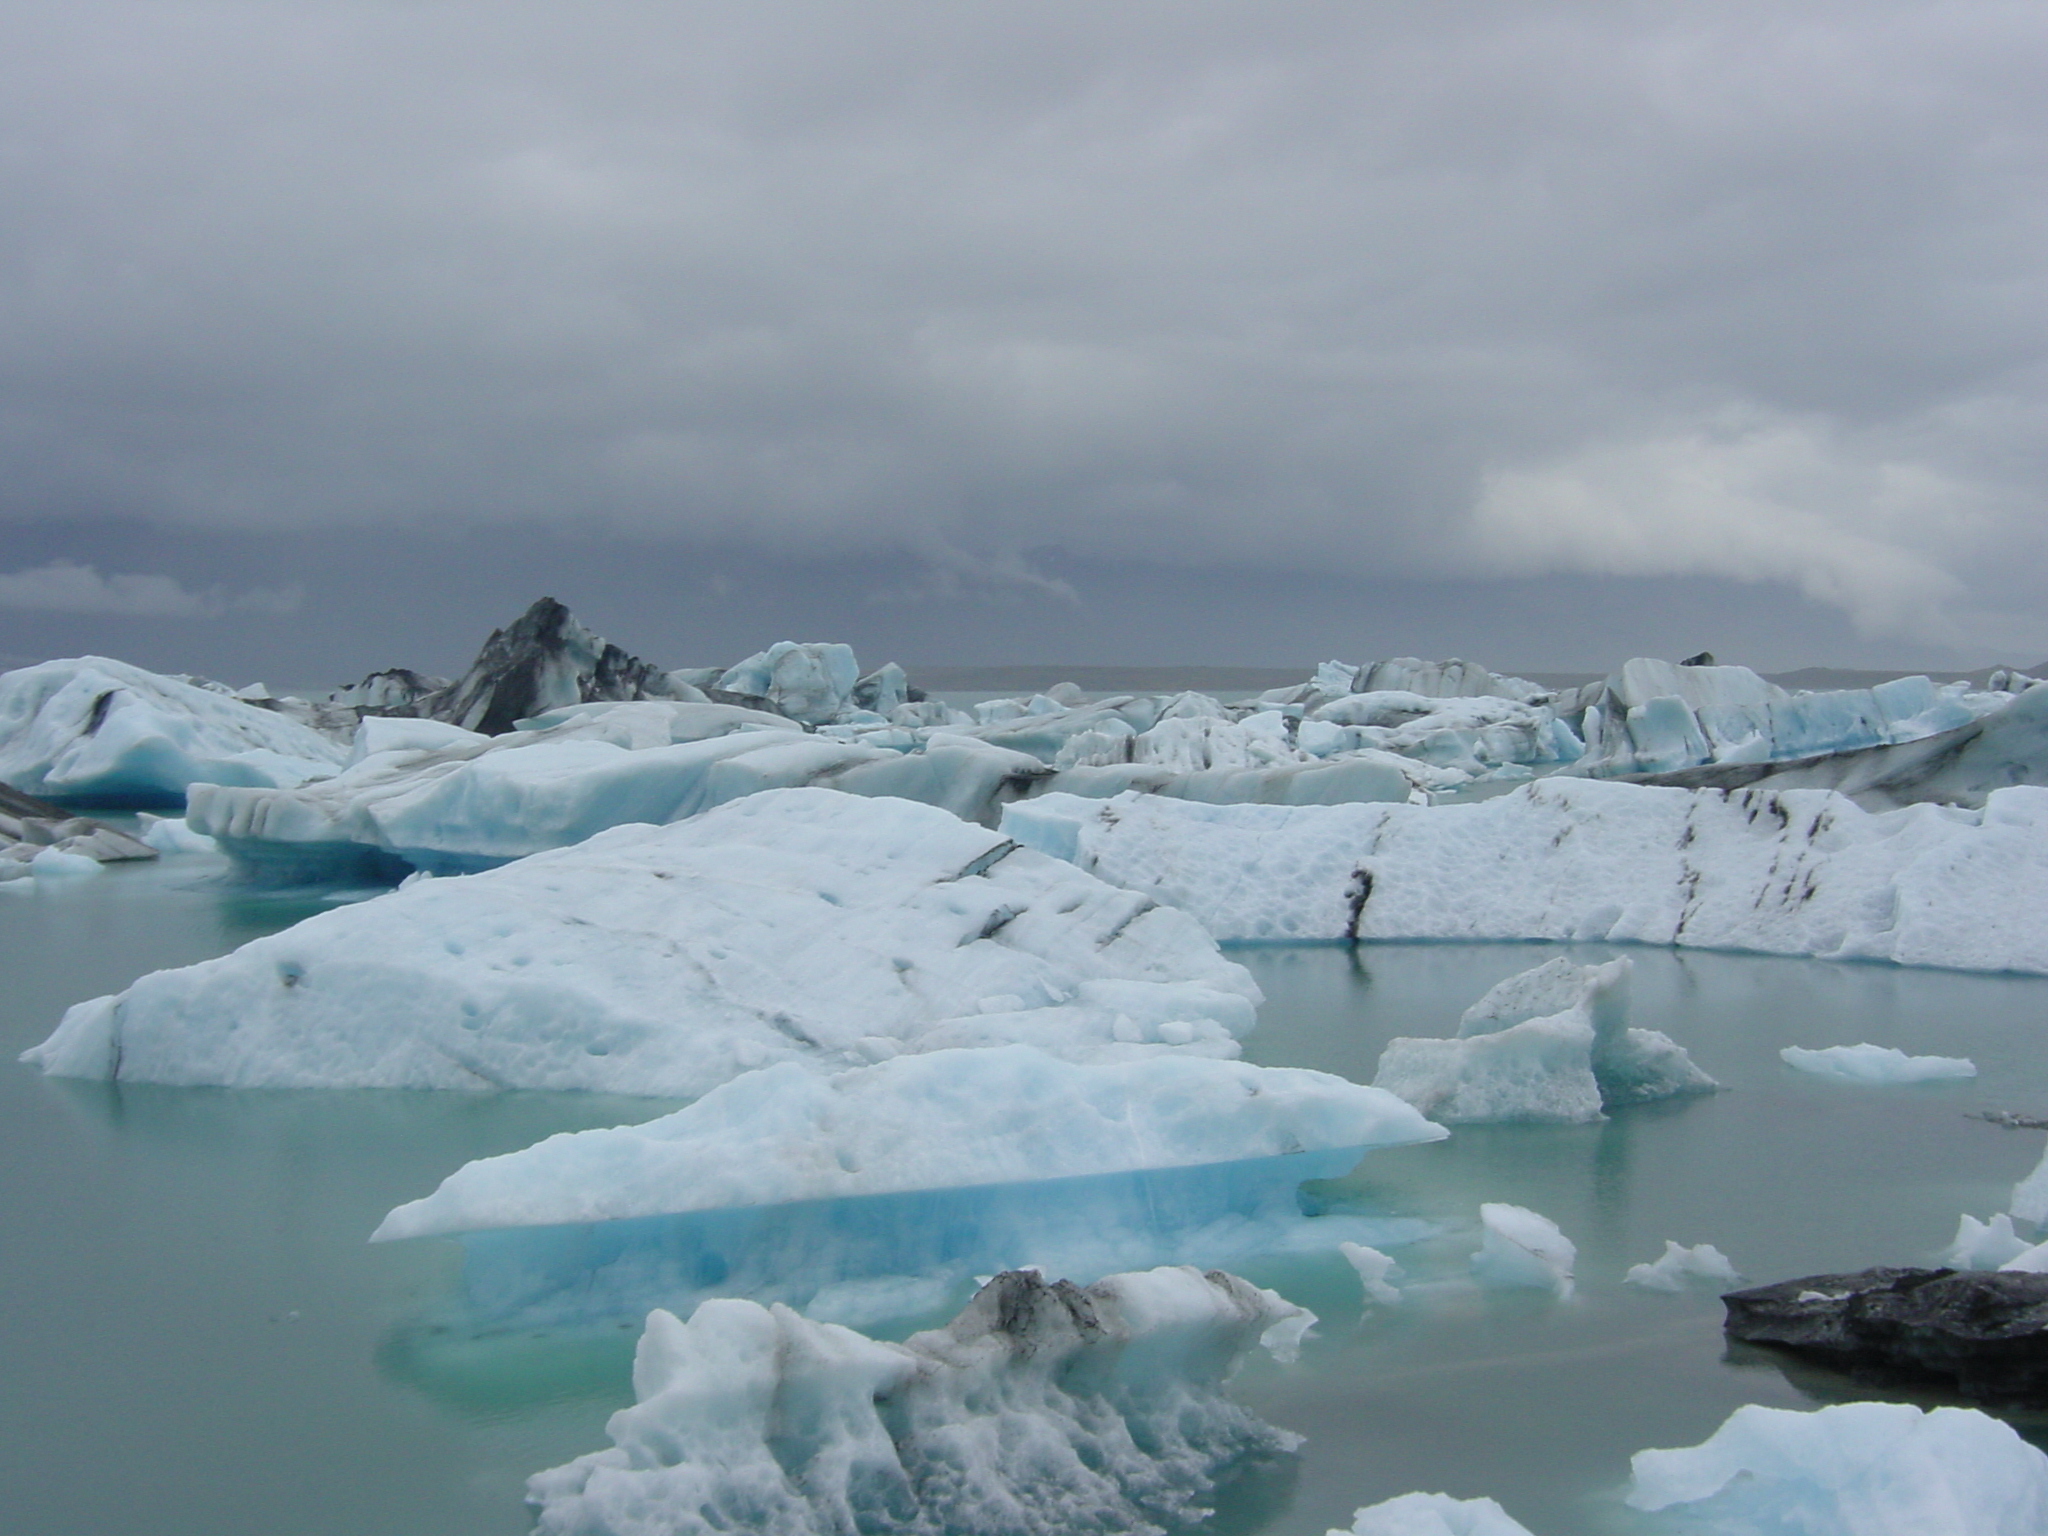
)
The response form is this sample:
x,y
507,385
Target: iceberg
x,y
1853,1469
1043,1409
1802,872
1868,1063
93,731
1520,1250
1433,1514
39,838
1984,1245
791,925
1375,1272
1552,1043
2030,1195
1678,1266
943,1119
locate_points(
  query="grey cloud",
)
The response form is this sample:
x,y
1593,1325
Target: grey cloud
x,y
65,586
1400,290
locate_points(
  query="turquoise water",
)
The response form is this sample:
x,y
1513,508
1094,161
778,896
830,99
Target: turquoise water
x,y
198,1339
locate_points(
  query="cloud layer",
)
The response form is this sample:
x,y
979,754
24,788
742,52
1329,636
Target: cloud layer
x,y
64,586
1750,291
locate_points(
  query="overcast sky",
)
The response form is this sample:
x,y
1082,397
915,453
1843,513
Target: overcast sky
x,y
331,334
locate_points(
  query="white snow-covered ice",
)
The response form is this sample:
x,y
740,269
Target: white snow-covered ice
x,y
1679,1266
1042,1410
798,925
1803,872
1433,1514
1551,1043
943,1119
97,731
1520,1250
1852,1469
1867,1063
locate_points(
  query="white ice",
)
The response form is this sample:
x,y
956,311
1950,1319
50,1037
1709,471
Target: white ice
x,y
939,1120
1042,1410
1375,1272
1804,872
2030,1261
1866,1063
1550,1044
1853,1469
1433,1514
1520,1250
1983,1245
101,731
1678,1266
792,925
2030,1195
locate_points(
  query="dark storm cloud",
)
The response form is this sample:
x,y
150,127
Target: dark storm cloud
x,y
1408,291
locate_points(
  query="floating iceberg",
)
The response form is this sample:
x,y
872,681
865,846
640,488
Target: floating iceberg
x,y
793,925
1375,1272
944,1119
1984,1245
1854,1469
100,732
1043,1409
39,838
1433,1514
1552,1043
1678,1266
1803,872
1868,1063
1520,1250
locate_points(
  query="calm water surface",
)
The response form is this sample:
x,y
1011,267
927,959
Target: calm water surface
x,y
198,1340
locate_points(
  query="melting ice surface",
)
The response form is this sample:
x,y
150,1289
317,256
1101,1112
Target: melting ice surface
x,y
199,1255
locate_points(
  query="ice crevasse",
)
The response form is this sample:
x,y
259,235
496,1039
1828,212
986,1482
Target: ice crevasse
x,y
1804,872
794,925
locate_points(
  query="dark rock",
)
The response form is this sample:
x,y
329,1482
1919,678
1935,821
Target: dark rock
x,y
1704,659
1983,1334
543,661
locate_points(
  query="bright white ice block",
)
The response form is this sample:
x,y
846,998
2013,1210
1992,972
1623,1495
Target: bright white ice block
x,y
1433,1514
1802,872
793,925
1854,1469
1868,1063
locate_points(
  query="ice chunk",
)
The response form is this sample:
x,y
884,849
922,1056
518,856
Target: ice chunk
x,y
1551,1043
172,834
1520,1250
813,683
1043,1409
1568,859
793,925
1678,1266
1853,1469
37,836
1374,1272
1868,1063
54,862
939,1120
1983,1245
2030,1195
2029,1261
1433,1514
100,731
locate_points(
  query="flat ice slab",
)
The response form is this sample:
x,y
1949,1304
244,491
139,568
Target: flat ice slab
x,y
792,925
1042,1410
1868,1063
945,1119
1433,1514
1854,1469
1802,872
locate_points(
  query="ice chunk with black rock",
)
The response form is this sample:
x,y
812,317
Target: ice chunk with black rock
x,y
1044,1409
542,660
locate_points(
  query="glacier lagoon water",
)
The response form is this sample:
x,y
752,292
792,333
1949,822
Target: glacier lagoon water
x,y
198,1339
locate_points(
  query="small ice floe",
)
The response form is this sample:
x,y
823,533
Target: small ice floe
x,y
1983,1244
1521,1250
1852,1469
1868,1063
1374,1269
1679,1266
1433,1514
